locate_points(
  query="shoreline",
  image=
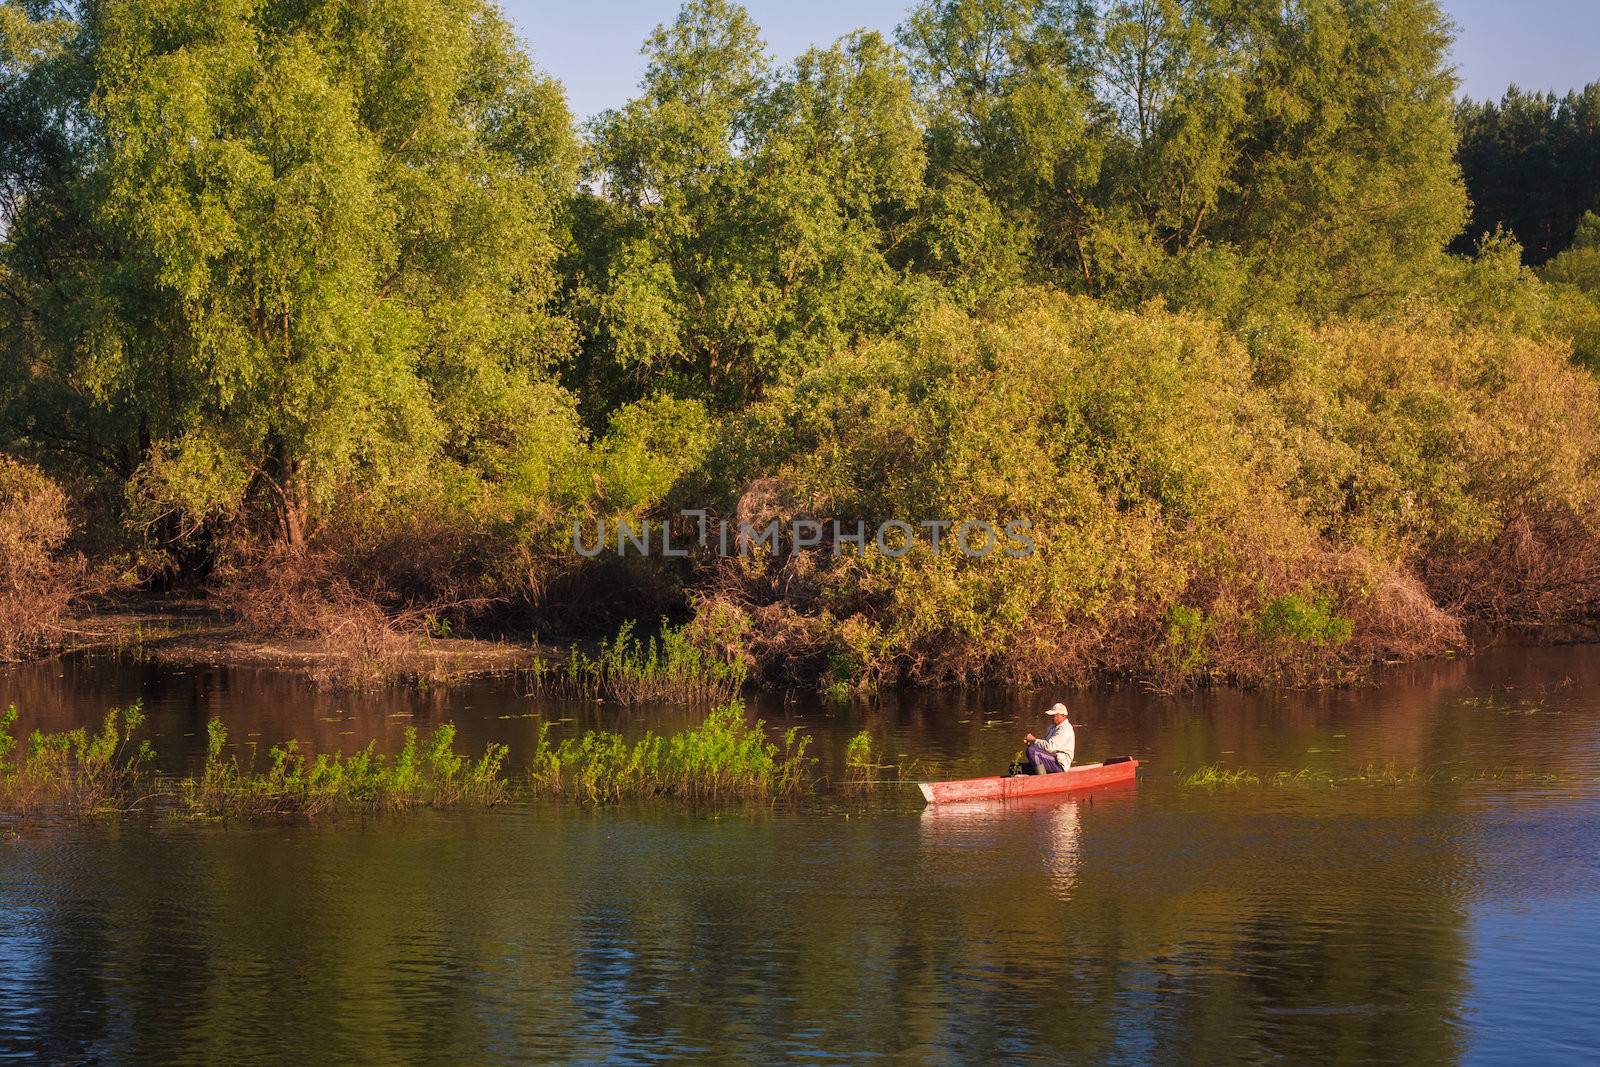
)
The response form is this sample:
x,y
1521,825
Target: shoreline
x,y
187,631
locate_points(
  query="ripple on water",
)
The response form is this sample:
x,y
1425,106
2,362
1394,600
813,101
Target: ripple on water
x,y
1413,922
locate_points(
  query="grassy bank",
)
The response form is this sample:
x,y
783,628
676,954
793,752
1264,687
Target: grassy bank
x,y
725,758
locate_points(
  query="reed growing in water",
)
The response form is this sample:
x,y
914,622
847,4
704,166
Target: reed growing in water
x,y
426,771
860,762
724,758
75,770
628,670
1214,776
867,766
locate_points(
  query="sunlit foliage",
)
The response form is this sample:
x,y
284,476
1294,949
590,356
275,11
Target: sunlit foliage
x,y
332,307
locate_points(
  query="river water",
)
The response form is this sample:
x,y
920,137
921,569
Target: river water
x,y
1453,916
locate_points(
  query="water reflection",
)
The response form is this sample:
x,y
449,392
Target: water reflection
x,y
1431,923
1046,829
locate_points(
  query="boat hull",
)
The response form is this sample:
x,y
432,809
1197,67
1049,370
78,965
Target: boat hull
x,y
1089,776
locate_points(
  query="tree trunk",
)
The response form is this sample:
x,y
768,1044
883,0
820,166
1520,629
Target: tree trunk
x,y
294,503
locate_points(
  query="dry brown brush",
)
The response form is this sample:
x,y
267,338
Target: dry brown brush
x,y
39,578
1539,569
367,613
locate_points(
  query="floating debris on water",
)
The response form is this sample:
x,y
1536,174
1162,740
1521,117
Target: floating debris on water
x,y
1215,776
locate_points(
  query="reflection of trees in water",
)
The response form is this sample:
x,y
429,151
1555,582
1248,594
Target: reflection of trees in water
x,y
1226,933
1413,718
36,956
612,934
263,706
1410,717
1166,924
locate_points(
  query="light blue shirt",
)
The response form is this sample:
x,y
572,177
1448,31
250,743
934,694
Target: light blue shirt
x,y
1061,742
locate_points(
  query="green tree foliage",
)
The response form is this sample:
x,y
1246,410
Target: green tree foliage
x,y
1014,135
1166,278
1574,278
741,215
1148,146
279,254
1344,191
1532,166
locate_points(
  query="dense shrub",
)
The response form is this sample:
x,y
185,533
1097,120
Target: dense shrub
x,y
1574,293
360,352
38,578
451,551
1202,508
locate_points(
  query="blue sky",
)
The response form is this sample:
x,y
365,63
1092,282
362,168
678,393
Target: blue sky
x,y
593,46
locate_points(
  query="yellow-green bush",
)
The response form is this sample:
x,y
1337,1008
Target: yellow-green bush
x,y
1278,497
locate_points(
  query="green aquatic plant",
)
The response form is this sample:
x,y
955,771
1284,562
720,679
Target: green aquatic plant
x,y
8,743
76,770
426,771
866,764
668,668
859,760
726,757
1215,776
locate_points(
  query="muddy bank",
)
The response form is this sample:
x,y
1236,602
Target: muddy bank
x,y
189,631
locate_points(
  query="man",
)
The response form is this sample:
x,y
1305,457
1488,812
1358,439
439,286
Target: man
x,y
1054,751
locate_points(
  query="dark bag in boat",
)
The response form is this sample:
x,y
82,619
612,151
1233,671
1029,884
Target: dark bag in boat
x,y
1115,760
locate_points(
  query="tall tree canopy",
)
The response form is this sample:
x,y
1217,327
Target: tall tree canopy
x,y
740,216
740,221
339,278
279,251
268,252
1120,137
1532,166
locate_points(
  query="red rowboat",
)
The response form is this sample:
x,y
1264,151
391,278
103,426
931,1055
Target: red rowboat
x,y
1089,776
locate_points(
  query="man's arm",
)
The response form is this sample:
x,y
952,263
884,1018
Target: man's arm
x,y
1063,742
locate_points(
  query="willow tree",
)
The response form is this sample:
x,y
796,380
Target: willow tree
x,y
1301,153
282,254
1346,190
1015,139
741,217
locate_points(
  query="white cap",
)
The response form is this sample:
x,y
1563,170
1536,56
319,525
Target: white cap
x,y
1059,709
